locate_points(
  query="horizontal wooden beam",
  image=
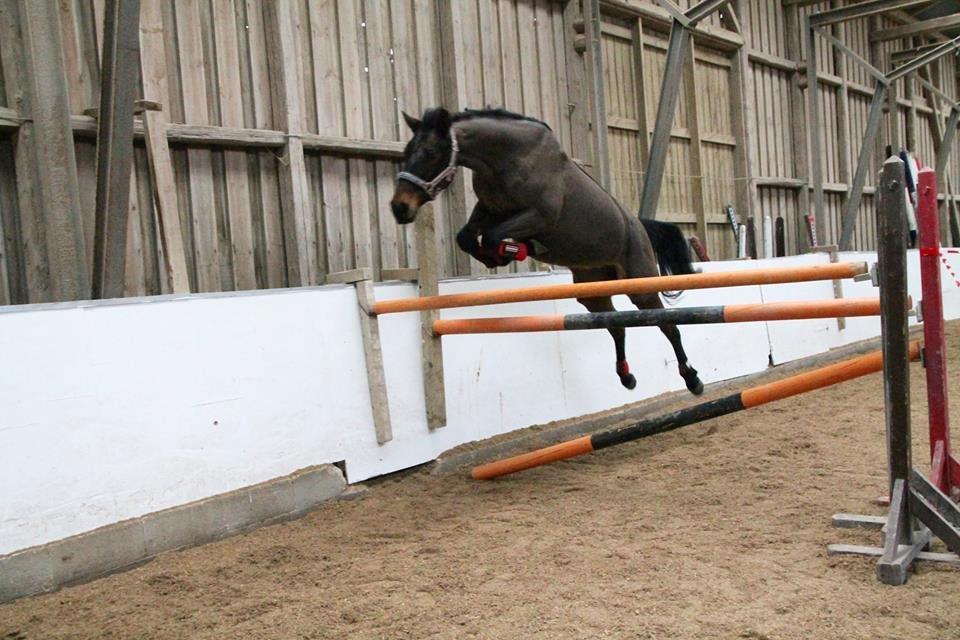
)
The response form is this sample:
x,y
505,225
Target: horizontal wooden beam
x,y
916,28
215,136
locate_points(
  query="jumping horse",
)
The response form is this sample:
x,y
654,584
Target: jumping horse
x,y
531,195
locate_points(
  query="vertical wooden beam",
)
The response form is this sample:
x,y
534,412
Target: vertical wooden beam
x,y
153,69
696,152
455,201
235,164
431,345
798,123
118,85
57,186
578,104
287,110
892,256
598,102
640,91
25,253
815,128
741,107
841,68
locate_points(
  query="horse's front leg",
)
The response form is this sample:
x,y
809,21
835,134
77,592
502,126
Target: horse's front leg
x,y
468,238
521,227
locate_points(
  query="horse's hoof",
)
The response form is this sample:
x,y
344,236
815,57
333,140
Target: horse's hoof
x,y
695,386
628,381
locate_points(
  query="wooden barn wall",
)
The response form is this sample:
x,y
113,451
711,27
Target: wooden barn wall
x,y
355,65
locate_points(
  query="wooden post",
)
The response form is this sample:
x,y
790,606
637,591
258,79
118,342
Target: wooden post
x,y
579,104
154,73
118,85
742,105
928,223
434,391
696,151
285,89
456,194
892,262
54,165
798,128
598,101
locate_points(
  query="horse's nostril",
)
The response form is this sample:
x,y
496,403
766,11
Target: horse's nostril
x,y
400,211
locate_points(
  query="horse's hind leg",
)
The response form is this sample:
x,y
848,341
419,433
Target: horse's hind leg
x,y
596,305
690,376
642,265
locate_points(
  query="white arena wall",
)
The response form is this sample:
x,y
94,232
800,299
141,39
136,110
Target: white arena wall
x,y
112,410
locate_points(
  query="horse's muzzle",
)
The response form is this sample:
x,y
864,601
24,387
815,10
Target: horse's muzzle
x,y
404,207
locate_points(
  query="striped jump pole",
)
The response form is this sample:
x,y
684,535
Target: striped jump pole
x,y
653,317
753,397
630,286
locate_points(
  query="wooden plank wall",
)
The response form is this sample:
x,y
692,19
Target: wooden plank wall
x,y
357,64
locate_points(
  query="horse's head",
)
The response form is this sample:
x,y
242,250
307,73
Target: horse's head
x,y
429,164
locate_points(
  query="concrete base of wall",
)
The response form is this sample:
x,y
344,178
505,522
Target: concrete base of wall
x,y
131,542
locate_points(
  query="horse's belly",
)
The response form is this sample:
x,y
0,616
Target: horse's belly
x,y
585,249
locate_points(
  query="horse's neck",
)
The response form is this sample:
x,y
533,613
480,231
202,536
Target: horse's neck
x,y
489,147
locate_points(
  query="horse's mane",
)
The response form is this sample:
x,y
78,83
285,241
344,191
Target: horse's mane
x,y
470,114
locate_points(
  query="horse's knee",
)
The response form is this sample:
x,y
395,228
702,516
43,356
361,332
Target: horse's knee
x,y
467,240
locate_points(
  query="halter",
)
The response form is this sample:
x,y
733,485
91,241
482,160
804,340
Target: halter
x,y
443,179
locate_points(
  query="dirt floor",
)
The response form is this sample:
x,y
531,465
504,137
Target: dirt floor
x,y
718,530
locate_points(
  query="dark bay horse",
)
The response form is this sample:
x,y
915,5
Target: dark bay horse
x,y
531,194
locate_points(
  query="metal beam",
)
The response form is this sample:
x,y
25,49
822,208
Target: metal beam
x,y
863,163
946,145
862,9
917,28
118,85
924,59
700,11
677,51
873,127
872,70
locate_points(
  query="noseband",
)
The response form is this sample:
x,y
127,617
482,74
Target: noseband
x,y
443,179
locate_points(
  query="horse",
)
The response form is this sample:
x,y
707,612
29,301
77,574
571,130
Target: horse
x,y
531,196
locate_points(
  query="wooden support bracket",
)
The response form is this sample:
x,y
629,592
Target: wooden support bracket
x,y
372,351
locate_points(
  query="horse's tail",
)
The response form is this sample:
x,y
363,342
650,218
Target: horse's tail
x,y
673,252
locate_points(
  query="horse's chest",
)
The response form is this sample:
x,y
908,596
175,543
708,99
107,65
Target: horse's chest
x,y
494,198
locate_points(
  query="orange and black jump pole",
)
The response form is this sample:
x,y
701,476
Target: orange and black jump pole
x,y
747,399
655,317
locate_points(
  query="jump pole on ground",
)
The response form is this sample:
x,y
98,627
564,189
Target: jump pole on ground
x,y
747,399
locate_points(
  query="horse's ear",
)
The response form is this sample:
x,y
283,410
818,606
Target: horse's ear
x,y
412,122
443,121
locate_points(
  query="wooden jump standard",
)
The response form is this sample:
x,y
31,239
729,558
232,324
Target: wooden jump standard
x,y
653,317
837,271
753,397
